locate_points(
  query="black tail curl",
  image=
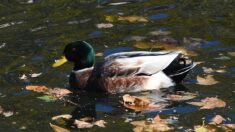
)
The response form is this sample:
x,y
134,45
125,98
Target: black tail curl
x,y
179,68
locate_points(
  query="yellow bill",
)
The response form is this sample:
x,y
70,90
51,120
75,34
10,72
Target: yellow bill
x,y
60,62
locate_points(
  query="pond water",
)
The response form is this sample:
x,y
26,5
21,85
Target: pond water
x,y
34,32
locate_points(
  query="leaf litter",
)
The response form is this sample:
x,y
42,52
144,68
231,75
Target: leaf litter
x,y
88,123
58,129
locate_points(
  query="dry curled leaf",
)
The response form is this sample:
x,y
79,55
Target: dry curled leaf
x,y
207,80
58,129
209,103
65,116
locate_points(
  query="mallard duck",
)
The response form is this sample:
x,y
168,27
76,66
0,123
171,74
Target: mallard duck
x,y
126,71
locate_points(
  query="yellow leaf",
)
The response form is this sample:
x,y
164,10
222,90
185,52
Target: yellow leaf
x,y
60,62
58,129
157,118
65,116
110,18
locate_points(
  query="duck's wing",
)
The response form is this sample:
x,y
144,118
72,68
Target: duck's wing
x,y
137,63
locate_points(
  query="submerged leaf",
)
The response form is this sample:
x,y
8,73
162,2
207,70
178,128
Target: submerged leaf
x,y
207,80
209,103
47,98
36,74
58,129
132,19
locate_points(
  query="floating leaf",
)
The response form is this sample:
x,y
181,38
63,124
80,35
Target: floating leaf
x,y
104,25
83,124
7,113
110,18
58,129
207,80
59,92
35,74
100,123
47,98
37,88
140,103
209,103
23,77
65,116
217,119
60,62
231,54
133,19
181,96
157,124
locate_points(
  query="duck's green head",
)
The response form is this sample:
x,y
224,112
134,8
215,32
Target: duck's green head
x,y
79,52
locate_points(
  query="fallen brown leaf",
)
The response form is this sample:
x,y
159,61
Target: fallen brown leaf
x,y
88,122
58,129
207,80
209,103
